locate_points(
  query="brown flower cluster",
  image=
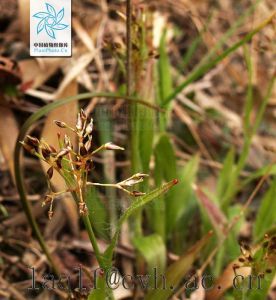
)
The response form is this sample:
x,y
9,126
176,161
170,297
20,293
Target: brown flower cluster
x,y
261,260
74,165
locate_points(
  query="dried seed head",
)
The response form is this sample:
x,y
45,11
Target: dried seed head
x,y
53,149
46,153
88,145
83,150
137,193
47,199
246,247
60,124
89,127
241,260
78,163
32,141
67,141
50,214
111,146
50,172
136,178
58,162
63,152
79,123
88,165
83,115
235,266
28,147
140,175
83,208
250,258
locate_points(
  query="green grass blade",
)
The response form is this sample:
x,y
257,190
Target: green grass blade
x,y
249,96
213,212
176,272
105,132
266,216
165,169
181,199
225,174
164,84
102,291
232,187
164,68
153,250
136,205
203,68
191,50
146,135
97,213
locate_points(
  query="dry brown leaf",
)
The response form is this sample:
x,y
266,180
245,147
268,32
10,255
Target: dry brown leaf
x,y
76,69
225,281
83,35
38,71
89,39
8,136
214,213
21,219
24,17
198,294
66,113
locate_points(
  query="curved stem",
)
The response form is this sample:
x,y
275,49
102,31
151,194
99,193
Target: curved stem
x,y
17,157
93,240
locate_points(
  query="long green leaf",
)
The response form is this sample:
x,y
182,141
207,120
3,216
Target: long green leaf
x,y
165,169
225,174
97,213
164,85
153,249
232,187
105,132
134,207
176,272
184,192
165,79
102,291
266,216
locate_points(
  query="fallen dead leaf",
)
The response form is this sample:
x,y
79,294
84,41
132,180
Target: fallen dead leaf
x,y
66,113
38,71
8,136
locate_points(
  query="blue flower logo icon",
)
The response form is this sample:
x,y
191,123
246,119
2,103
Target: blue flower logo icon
x,y
50,21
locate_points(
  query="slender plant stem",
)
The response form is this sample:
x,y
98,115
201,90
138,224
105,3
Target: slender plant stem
x,y
129,47
133,111
93,240
102,184
27,208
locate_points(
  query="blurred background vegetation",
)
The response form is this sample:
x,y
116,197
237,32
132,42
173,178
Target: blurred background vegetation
x,y
210,68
